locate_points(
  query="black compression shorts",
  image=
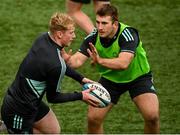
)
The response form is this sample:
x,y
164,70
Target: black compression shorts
x,y
22,124
142,84
86,1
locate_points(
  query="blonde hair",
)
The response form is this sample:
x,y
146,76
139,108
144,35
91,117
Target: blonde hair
x,y
60,21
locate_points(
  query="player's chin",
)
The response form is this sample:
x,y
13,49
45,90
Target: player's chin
x,y
103,35
67,45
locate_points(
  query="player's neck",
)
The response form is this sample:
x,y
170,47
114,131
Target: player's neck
x,y
113,33
55,39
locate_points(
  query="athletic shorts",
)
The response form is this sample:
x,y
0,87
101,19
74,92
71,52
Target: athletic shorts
x,y
142,84
86,1
21,124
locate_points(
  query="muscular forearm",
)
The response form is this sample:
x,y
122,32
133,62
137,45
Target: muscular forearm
x,y
73,63
120,63
114,63
77,60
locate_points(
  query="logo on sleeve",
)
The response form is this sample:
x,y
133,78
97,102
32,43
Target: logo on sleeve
x,y
152,88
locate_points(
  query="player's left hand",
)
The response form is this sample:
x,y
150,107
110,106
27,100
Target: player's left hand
x,y
86,80
93,54
66,55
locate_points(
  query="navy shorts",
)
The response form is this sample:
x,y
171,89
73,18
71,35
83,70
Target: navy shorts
x,y
20,124
86,1
142,84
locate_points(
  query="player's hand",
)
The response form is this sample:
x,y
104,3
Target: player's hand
x,y
88,98
86,80
66,56
93,54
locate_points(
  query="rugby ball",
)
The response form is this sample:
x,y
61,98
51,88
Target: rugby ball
x,y
99,93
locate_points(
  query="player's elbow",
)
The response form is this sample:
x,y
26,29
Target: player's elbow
x,y
75,64
124,66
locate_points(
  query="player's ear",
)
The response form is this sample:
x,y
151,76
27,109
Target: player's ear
x,y
116,23
59,34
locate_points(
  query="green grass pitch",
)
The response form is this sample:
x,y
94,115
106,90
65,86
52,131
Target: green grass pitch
x,y
21,21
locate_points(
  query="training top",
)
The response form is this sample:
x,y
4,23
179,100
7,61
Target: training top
x,y
42,70
125,40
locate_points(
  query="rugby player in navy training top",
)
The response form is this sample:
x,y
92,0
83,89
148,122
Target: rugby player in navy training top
x,y
42,71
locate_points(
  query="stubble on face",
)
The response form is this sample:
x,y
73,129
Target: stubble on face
x,y
105,26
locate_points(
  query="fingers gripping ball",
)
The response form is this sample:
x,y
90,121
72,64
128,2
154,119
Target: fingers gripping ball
x,y
100,94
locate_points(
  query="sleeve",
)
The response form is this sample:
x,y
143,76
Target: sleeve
x,y
64,97
129,40
85,44
73,74
53,93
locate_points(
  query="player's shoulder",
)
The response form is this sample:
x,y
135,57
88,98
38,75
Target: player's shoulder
x,y
92,35
129,34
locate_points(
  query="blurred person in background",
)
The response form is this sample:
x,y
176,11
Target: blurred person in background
x,y
74,10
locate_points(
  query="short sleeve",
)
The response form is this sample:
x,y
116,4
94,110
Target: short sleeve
x,y
129,40
85,44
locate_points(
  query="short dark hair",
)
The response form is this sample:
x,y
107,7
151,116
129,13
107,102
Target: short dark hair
x,y
108,10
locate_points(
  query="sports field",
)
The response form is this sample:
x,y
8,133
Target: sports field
x,y
158,22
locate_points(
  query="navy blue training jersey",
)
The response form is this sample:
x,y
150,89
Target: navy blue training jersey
x,y
41,71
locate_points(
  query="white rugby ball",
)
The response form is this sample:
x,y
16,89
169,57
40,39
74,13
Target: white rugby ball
x,y
100,94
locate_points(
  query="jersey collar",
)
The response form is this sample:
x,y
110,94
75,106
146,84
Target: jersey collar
x,y
106,42
53,43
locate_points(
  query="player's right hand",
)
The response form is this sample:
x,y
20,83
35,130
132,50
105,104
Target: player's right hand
x,y
88,98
